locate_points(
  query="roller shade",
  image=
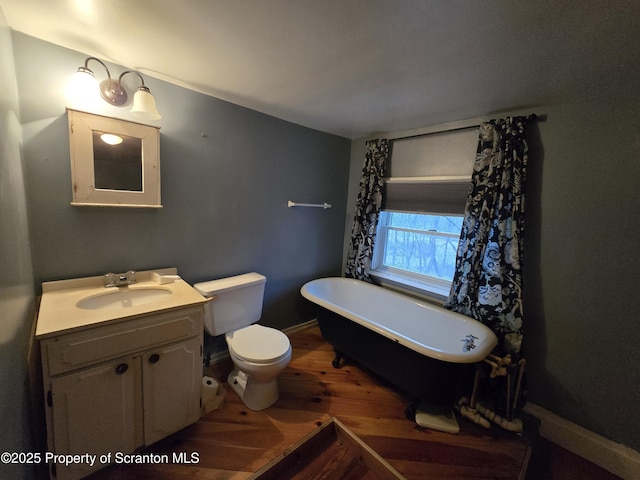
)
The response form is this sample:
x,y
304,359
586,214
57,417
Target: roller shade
x,y
438,196
434,155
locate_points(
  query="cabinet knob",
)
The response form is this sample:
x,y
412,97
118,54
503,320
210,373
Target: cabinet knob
x,y
120,369
154,358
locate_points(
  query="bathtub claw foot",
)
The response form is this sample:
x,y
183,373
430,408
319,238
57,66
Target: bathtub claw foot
x,y
337,360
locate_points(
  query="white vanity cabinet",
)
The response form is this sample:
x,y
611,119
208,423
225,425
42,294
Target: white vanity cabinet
x,y
119,386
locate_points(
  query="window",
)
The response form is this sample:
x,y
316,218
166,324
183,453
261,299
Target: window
x,y
422,212
417,249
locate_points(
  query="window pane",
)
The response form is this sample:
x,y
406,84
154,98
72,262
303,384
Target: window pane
x,y
421,253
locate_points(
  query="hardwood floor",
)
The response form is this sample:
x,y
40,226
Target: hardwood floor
x,y
233,441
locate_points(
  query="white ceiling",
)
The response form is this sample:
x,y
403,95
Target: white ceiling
x,y
355,67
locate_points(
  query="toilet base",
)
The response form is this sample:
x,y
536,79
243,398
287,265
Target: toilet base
x,y
255,395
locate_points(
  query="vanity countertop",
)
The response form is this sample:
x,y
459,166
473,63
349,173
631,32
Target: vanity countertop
x,y
59,313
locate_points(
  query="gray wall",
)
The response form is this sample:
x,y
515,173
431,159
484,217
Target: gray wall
x,y
227,173
581,259
581,262
17,299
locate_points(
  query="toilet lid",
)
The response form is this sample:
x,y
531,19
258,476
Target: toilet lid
x,y
260,344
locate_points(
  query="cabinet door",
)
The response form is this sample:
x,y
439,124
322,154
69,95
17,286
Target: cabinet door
x,y
172,379
93,412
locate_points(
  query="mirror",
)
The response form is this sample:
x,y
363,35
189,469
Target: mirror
x,y
113,162
117,161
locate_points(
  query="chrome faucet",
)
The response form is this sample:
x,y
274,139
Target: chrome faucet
x,y
119,279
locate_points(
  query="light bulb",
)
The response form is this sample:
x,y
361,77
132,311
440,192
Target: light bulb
x,y
111,138
83,88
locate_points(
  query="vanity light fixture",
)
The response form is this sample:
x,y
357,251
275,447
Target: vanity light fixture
x,y
113,92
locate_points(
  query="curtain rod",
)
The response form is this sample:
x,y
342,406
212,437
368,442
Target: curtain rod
x,y
475,123
435,132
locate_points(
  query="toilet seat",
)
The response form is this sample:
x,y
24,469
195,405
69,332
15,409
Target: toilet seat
x,y
259,344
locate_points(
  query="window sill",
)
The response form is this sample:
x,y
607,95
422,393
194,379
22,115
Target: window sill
x,y
431,292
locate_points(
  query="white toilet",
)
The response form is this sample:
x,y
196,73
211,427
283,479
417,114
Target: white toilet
x,y
258,353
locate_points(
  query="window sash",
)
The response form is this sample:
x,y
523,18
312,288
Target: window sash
x,y
421,232
416,263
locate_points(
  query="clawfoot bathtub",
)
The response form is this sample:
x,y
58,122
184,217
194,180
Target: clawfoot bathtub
x,y
421,348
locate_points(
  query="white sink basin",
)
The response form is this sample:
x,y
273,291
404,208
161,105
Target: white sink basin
x,y
123,298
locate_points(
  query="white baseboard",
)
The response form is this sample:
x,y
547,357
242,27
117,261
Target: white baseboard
x,y
300,327
613,457
219,357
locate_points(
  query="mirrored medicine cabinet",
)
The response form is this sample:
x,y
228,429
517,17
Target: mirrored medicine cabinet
x,y
114,163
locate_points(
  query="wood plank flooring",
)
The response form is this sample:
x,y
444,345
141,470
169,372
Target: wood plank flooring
x,y
233,441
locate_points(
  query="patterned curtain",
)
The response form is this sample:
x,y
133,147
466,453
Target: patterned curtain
x,y
368,205
487,284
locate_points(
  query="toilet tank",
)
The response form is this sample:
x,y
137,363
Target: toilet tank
x,y
236,302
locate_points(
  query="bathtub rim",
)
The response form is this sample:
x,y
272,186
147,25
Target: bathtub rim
x,y
478,354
